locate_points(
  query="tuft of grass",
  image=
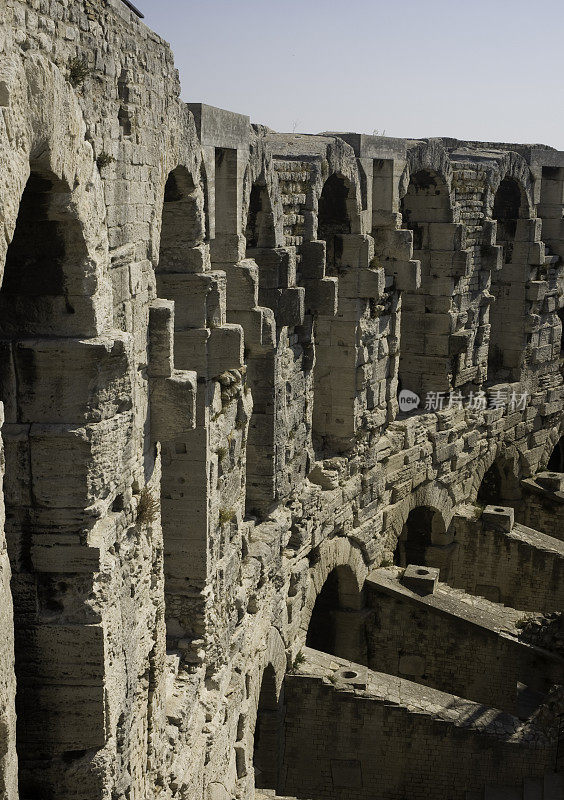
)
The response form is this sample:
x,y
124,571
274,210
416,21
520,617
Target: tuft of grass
x,y
226,515
147,508
386,563
78,70
221,452
104,159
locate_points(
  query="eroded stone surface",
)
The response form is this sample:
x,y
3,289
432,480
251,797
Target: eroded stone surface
x,y
206,328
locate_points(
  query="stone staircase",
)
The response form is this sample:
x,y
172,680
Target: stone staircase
x,y
551,787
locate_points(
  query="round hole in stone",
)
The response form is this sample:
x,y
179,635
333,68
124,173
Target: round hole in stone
x,y
348,673
422,571
499,510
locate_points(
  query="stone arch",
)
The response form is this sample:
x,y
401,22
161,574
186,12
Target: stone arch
x,y
431,495
50,131
331,554
332,627
180,262
43,257
260,173
428,156
183,224
259,228
338,254
337,175
499,484
336,208
261,270
506,211
267,732
509,203
267,721
423,528
426,208
497,474
56,313
426,200
513,167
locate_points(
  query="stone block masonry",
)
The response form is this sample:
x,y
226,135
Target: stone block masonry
x,y
204,330
371,734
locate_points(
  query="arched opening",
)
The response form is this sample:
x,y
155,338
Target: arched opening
x,y
507,341
561,319
334,218
506,211
332,410
43,288
336,627
490,487
424,342
181,277
423,528
183,225
260,360
259,231
500,483
268,733
556,460
37,290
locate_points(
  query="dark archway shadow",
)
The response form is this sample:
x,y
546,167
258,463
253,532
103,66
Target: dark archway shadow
x,y
268,740
423,528
337,622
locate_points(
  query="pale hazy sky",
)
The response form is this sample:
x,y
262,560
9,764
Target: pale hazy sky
x,y
490,71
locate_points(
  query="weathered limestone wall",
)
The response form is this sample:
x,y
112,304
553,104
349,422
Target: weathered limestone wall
x,y
201,337
442,641
363,741
87,564
542,504
493,556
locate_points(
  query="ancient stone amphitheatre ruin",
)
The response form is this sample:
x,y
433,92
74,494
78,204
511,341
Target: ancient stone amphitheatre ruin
x,y
283,491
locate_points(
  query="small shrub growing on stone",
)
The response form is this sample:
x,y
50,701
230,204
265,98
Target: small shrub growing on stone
x,y
299,659
78,70
226,515
147,508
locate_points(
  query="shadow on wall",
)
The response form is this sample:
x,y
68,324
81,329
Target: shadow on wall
x,y
500,484
424,527
337,621
506,337
268,733
556,460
